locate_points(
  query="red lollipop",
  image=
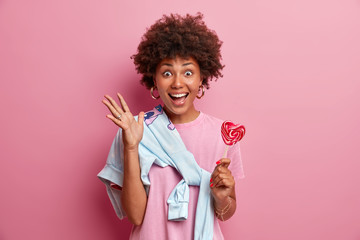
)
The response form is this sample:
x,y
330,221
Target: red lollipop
x,y
231,133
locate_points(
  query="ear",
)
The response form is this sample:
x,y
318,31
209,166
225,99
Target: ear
x,y
201,80
154,80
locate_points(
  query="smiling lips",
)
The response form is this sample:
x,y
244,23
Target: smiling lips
x,y
179,98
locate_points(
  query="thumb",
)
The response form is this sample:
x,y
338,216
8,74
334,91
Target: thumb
x,y
141,118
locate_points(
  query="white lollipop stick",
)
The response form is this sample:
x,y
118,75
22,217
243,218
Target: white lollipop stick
x,y
225,153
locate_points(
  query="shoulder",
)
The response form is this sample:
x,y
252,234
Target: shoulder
x,y
211,127
211,120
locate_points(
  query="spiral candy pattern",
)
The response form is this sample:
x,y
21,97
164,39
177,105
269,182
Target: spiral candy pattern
x,y
232,133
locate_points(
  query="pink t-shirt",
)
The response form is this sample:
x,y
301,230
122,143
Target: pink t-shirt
x,y
202,137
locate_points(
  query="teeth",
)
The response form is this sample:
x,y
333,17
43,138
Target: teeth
x,y
178,95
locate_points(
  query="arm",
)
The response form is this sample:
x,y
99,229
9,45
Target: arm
x,y
133,197
222,186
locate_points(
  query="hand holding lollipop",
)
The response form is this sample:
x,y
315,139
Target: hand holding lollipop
x,y
222,182
231,133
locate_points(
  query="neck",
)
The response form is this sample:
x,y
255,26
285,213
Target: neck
x,y
182,118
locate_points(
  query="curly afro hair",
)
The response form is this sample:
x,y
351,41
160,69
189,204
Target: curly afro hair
x,y
183,36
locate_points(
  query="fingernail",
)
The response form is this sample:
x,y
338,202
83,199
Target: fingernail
x,y
210,179
218,162
211,185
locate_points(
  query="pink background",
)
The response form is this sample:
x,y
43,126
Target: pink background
x,y
292,78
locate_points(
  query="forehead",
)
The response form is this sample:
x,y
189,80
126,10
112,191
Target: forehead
x,y
177,61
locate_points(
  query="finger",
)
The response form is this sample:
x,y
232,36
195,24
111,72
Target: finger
x,y
220,171
123,103
116,121
225,162
222,166
220,176
216,171
114,104
222,182
225,182
141,118
113,111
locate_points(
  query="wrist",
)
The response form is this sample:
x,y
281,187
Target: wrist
x,y
131,149
221,212
221,203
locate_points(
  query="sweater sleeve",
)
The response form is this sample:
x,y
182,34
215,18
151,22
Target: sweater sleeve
x,y
113,173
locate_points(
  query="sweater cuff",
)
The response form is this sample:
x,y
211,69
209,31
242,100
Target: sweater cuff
x,y
178,211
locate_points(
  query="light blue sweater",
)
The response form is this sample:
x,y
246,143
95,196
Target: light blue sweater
x,y
161,144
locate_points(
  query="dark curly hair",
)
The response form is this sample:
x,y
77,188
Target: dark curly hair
x,y
183,36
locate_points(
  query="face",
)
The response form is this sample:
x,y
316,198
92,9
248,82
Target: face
x,y
178,81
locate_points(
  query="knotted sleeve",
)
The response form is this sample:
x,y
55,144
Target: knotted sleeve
x,y
113,173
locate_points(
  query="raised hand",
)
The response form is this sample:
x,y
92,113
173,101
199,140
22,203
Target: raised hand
x,y
132,130
222,182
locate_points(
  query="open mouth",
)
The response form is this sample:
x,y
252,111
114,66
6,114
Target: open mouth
x,y
178,98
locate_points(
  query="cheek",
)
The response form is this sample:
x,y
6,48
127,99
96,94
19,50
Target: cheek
x,y
158,82
195,85
161,88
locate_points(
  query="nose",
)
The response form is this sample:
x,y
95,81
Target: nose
x,y
177,82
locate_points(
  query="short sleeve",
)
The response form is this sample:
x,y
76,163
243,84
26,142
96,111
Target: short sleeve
x,y
113,173
236,166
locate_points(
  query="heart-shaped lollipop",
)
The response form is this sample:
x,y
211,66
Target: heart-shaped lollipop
x,y
231,133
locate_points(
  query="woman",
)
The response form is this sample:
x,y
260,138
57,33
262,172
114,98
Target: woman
x,y
164,170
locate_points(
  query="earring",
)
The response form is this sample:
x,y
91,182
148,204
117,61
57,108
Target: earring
x,y
152,93
202,92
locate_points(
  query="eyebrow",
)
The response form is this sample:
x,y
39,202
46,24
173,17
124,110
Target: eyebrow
x,y
170,65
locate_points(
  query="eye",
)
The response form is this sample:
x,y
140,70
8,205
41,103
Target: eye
x,y
167,74
188,73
